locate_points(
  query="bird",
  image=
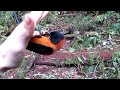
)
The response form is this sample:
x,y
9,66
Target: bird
x,y
46,44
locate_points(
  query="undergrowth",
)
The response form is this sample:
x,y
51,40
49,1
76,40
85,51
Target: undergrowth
x,y
97,29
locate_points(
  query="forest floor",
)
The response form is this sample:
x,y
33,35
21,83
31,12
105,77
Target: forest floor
x,y
89,51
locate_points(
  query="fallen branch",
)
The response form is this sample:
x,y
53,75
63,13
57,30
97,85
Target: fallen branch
x,y
69,15
60,65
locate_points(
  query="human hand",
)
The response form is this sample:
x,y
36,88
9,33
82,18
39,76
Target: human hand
x,y
15,45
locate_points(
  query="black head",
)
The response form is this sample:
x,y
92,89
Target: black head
x,y
56,37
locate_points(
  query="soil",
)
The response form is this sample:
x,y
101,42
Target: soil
x,y
44,66
39,66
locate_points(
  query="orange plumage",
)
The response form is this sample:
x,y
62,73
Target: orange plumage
x,y
46,44
44,40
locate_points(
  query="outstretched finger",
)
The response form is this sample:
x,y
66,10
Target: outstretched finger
x,y
37,16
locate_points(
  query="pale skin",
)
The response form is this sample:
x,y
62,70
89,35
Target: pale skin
x,y
13,49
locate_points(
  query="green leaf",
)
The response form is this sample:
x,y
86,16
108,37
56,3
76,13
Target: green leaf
x,y
2,27
71,49
80,60
119,74
116,25
8,14
111,31
100,18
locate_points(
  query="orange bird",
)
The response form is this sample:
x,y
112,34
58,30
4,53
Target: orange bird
x,y
47,43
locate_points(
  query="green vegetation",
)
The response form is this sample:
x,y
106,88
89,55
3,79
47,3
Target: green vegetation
x,y
92,30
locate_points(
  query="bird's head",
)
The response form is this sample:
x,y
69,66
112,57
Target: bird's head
x,y
55,36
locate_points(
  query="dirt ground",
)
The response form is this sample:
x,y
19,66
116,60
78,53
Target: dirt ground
x,y
38,66
61,64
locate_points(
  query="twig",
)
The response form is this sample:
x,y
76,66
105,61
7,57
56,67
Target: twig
x,y
93,74
79,67
67,15
97,12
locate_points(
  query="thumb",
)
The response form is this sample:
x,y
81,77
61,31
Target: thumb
x,y
29,23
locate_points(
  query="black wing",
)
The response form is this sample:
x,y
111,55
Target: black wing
x,y
40,49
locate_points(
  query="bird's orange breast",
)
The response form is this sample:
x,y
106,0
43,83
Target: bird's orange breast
x,y
44,40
